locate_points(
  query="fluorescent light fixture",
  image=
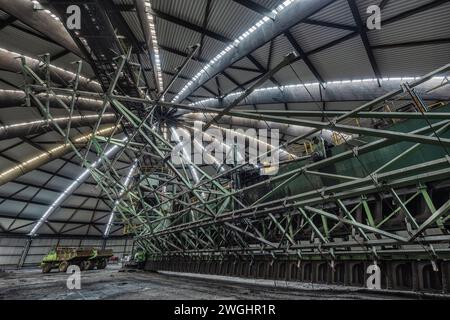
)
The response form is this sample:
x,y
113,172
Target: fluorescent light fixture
x,y
155,46
214,159
57,119
235,43
312,84
71,188
116,203
37,6
52,66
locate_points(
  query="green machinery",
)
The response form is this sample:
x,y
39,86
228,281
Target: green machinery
x,y
84,258
394,156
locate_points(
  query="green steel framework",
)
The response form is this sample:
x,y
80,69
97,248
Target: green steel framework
x,y
180,216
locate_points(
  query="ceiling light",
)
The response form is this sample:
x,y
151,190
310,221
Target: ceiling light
x,y
116,203
71,188
235,44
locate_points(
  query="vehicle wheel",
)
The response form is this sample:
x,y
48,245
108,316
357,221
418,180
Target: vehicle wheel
x,y
81,265
46,268
63,266
102,264
88,265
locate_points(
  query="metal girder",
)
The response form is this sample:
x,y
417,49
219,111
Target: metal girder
x,y
329,24
304,57
7,22
255,7
361,28
190,26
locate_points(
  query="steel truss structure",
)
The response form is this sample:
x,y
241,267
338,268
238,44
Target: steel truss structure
x,y
382,210
173,211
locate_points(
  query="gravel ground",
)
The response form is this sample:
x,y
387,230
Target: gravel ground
x,y
31,284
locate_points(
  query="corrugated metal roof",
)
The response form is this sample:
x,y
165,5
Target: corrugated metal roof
x,y
337,12
244,63
311,37
347,60
301,71
230,19
3,15
392,9
131,18
412,61
22,42
428,25
242,76
192,11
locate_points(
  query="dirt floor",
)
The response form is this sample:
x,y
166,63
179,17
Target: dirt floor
x,y
111,284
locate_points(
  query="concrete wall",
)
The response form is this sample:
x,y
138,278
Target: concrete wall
x,y
395,275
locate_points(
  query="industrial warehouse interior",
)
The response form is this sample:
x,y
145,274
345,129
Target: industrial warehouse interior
x,y
224,150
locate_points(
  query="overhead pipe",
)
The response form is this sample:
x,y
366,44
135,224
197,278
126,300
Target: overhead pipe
x,y
21,122
41,158
286,19
15,98
10,61
282,154
70,189
291,130
41,20
11,98
356,90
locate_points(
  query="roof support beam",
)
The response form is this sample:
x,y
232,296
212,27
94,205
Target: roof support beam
x,y
5,23
303,55
181,68
186,78
234,81
329,24
39,159
12,85
261,68
255,7
190,26
181,53
60,55
365,39
35,193
205,25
